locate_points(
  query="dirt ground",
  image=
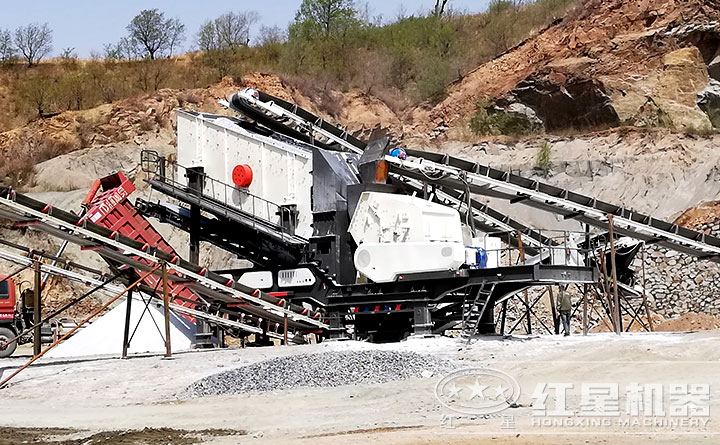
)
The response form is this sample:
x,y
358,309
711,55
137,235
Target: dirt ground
x,y
133,401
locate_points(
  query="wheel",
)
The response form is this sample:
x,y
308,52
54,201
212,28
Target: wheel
x,y
5,335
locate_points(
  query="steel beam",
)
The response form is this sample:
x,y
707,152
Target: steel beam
x,y
127,249
554,200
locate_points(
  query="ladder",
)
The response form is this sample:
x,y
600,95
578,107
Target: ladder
x,y
473,311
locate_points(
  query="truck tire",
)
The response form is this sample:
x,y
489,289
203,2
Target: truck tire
x,y
7,334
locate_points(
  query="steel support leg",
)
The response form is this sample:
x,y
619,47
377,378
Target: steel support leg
x,y
336,329
487,321
422,322
126,332
195,176
166,304
504,316
37,311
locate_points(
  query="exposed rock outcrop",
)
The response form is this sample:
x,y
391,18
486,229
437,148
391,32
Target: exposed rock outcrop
x,y
613,62
670,92
709,102
562,101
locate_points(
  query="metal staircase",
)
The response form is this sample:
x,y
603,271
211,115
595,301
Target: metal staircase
x,y
475,307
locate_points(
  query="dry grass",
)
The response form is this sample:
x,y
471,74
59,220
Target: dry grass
x,y
18,166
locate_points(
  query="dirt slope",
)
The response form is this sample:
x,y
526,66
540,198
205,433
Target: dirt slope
x,y
141,117
602,40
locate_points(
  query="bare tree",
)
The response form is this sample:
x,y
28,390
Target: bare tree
x,y
7,49
153,34
271,35
125,49
151,75
401,13
68,53
34,41
439,9
176,34
68,59
207,38
501,25
37,92
230,31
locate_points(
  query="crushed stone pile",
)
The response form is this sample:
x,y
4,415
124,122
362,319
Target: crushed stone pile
x,y
327,369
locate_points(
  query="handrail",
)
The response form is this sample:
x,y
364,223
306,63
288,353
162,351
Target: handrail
x,y
219,191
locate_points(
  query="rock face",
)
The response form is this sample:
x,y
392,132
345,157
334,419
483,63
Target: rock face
x,y
670,92
562,101
651,58
709,102
564,96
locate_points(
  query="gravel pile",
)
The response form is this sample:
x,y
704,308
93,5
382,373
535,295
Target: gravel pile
x,y
327,369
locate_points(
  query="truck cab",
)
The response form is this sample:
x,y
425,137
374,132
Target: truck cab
x,y
8,324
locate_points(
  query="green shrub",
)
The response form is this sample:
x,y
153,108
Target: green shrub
x,y
490,121
433,81
543,158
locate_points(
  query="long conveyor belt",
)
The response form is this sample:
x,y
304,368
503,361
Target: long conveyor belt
x,y
112,290
452,172
454,176
119,248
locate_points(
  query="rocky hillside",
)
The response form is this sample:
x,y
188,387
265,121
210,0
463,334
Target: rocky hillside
x,y
141,118
609,63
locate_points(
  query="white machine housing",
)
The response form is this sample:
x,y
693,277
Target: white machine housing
x,y
399,234
282,172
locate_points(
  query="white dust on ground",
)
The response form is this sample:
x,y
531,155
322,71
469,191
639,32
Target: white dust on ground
x,y
104,337
135,393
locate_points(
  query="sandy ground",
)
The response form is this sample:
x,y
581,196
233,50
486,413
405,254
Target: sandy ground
x,y
90,396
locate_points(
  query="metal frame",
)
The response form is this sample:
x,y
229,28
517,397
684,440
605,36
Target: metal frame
x,y
485,180
48,219
112,289
284,110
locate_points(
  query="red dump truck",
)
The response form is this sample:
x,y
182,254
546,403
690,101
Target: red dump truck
x,y
9,319
16,314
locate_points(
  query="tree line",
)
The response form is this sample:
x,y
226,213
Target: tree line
x,y
335,44
31,42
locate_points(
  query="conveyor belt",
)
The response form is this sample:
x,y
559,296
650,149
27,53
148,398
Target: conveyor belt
x,y
457,173
453,173
114,290
487,219
293,121
18,207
